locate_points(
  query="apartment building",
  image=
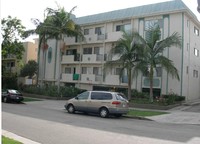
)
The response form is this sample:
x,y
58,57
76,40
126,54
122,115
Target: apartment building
x,y
13,65
82,62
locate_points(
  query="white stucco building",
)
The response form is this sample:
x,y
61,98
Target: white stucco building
x,y
82,62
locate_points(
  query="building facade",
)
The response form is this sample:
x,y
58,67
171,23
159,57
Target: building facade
x,y
81,63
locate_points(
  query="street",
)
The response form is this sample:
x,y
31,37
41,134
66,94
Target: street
x,y
47,122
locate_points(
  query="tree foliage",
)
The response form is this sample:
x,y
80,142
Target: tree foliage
x,y
12,31
29,69
154,47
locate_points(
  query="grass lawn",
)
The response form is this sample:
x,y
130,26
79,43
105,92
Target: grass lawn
x,y
143,113
6,140
27,99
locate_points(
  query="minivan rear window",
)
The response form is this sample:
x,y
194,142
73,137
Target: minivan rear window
x,y
101,96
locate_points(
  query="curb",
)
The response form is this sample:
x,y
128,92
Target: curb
x,y
139,118
18,138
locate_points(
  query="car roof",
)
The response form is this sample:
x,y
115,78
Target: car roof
x,y
103,91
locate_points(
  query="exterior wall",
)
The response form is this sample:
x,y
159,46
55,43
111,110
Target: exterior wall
x,y
31,49
183,58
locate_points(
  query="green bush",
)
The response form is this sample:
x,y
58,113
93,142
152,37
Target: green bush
x,y
53,91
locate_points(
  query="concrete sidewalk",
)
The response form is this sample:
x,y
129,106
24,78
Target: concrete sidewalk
x,y
180,115
17,138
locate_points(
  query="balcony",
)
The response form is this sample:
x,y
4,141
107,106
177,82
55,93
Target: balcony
x,y
112,80
70,58
70,77
92,58
113,36
87,78
156,82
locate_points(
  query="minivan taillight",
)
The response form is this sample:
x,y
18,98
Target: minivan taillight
x,y
116,102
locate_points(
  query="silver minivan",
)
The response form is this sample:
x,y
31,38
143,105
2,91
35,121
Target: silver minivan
x,y
103,103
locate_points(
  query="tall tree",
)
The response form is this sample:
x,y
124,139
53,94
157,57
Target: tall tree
x,y
154,47
129,49
60,24
12,31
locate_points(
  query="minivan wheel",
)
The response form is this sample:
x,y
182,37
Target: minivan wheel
x,y
5,99
70,108
104,112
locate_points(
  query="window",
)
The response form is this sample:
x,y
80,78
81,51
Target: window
x,y
96,70
68,70
196,52
12,64
83,96
86,31
119,27
87,50
49,54
96,50
101,96
150,24
195,74
126,27
159,71
196,31
84,70
118,71
98,30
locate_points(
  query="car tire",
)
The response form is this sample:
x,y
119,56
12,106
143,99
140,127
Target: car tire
x,y
70,108
103,112
5,99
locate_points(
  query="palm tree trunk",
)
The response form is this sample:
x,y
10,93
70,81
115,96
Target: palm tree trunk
x,y
151,84
129,84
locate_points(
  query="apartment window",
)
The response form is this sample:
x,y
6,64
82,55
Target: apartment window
x,y
195,74
118,71
96,50
196,31
126,27
196,52
49,54
159,71
98,30
12,64
68,70
84,70
86,31
96,70
151,24
87,50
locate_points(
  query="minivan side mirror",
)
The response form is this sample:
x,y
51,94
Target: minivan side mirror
x,y
76,98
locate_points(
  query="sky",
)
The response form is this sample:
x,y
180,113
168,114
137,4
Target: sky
x,y
27,9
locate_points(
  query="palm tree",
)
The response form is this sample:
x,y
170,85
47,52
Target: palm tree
x,y
129,48
60,24
57,23
154,48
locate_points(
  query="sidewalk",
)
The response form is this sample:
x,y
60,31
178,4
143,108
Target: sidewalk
x,y
18,138
179,115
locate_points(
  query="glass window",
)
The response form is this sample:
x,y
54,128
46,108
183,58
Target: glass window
x,y
118,71
86,31
195,73
68,70
196,31
196,52
83,95
84,70
96,70
101,96
98,30
49,54
87,50
96,50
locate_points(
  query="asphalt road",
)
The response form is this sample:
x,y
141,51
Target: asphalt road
x,y
48,123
